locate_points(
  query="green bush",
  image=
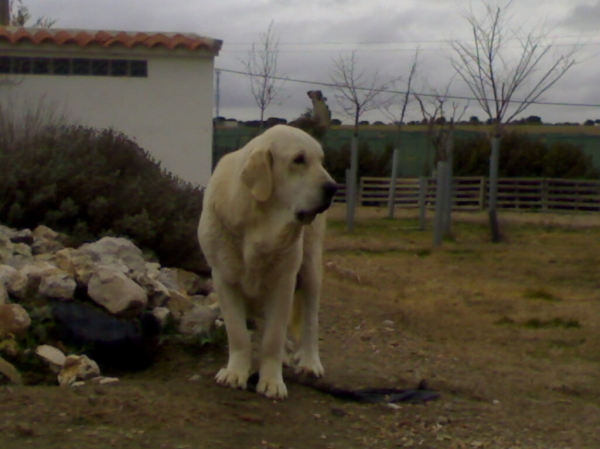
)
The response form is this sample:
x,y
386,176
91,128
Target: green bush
x,y
370,163
523,156
90,183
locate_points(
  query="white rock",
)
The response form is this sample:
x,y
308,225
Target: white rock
x,y
158,294
6,248
45,240
179,304
117,293
59,285
34,272
3,294
21,249
199,320
105,380
8,370
115,252
77,367
13,320
183,281
54,356
162,315
78,265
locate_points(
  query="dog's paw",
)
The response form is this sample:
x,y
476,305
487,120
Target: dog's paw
x,y
233,379
272,388
309,364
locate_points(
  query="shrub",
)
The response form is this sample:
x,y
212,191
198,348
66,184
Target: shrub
x,y
523,156
89,183
370,163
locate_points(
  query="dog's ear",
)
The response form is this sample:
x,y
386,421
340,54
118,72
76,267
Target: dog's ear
x,y
256,174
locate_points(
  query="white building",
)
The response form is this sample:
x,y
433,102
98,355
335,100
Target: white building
x,y
156,88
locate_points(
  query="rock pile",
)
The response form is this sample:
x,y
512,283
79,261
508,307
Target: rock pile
x,y
105,296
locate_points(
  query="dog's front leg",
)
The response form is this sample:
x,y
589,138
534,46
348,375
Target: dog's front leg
x,y
231,301
277,311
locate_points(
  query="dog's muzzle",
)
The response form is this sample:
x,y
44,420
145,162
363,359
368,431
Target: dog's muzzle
x,y
329,190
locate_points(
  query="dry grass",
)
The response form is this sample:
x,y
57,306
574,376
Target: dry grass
x,y
517,322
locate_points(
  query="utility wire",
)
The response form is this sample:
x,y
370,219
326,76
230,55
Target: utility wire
x,y
453,97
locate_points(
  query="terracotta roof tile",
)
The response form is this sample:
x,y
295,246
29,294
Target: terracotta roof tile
x,y
104,38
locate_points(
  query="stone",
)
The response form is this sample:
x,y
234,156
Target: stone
x,y
179,304
3,294
14,281
58,285
198,321
78,265
6,248
158,294
184,281
77,367
121,343
14,320
101,380
34,272
153,269
117,293
21,249
115,252
53,356
162,315
10,372
45,240
24,236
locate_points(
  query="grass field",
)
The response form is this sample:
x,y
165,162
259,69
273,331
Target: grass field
x,y
508,334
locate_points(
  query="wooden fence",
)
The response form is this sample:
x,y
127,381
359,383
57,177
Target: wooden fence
x,y
470,193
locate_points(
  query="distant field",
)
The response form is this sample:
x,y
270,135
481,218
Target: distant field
x,y
413,142
533,129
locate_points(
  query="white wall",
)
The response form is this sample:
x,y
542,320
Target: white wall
x,y
169,113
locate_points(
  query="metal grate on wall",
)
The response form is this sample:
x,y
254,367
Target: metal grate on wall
x,y
19,65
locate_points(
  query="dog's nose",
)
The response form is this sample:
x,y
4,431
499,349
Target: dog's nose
x,y
329,189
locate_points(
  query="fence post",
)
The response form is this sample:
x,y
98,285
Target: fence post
x,y
422,198
544,194
392,192
352,184
438,225
350,199
482,187
493,190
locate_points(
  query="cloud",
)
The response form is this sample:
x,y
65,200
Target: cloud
x,y
584,17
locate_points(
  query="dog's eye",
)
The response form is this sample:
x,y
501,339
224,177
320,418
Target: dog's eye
x,y
300,159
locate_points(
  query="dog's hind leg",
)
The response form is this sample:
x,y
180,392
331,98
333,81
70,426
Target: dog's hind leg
x,y
307,357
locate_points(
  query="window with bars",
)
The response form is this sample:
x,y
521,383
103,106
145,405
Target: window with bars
x,y
19,65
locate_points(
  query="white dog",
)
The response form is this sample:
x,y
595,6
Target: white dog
x,y
261,231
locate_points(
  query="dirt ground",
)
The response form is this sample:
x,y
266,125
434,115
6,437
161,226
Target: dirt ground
x,y
508,334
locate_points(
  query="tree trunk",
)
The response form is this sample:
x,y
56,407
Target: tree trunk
x,y
493,189
447,219
438,224
353,184
393,178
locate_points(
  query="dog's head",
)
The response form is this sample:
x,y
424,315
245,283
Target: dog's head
x,y
284,169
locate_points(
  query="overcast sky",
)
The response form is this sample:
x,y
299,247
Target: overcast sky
x,y
385,34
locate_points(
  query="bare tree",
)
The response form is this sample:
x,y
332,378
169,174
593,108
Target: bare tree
x,y
356,91
395,108
505,85
440,117
395,111
19,16
261,66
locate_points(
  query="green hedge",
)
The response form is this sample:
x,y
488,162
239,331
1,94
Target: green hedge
x,y
90,183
